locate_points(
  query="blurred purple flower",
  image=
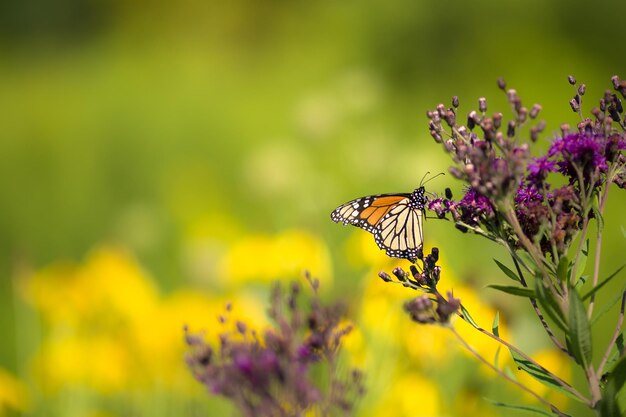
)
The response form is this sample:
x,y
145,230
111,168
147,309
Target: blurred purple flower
x,y
273,376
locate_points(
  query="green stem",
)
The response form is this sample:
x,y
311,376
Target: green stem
x,y
594,385
583,236
510,216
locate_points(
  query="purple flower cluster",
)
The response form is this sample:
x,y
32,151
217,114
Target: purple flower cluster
x,y
500,175
579,156
472,210
423,310
272,375
584,159
491,163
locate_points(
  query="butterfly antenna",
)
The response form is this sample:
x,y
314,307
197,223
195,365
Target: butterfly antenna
x,y
422,183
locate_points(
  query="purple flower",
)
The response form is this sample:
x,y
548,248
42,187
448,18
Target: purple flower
x,y
527,194
539,169
470,209
440,206
614,145
474,206
473,200
584,151
304,352
244,363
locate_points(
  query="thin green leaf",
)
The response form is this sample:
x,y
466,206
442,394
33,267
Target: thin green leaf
x,y
495,329
561,270
580,332
508,272
618,374
580,282
495,326
609,406
527,259
509,372
603,283
468,317
527,408
540,374
597,214
496,357
607,307
582,260
519,291
550,306
616,354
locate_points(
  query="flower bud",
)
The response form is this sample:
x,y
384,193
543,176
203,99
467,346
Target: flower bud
x,y
482,104
385,276
535,111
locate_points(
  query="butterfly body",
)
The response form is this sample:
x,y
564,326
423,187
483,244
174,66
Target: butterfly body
x,y
395,220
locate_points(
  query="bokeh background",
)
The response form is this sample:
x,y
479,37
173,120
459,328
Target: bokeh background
x,y
160,158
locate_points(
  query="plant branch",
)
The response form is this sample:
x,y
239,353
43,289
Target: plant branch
x,y
531,249
505,376
528,245
517,350
594,385
543,321
583,236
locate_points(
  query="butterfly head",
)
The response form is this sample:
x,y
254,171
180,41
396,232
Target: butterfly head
x,y
418,197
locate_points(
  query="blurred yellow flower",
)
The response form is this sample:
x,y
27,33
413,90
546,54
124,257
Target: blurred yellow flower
x,y
13,395
354,346
92,311
110,330
409,395
99,362
109,286
361,249
159,341
266,258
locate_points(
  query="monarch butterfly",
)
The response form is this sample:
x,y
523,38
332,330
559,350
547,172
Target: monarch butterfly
x,y
395,220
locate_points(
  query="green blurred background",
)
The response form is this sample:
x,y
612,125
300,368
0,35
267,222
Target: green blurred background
x,y
180,136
